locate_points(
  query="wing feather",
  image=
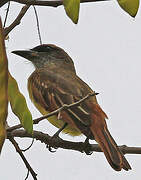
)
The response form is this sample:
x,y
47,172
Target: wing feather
x,y
52,90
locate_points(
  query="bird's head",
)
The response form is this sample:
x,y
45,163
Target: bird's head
x,y
44,54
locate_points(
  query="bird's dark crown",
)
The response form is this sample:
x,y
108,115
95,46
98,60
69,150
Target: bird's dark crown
x,y
46,48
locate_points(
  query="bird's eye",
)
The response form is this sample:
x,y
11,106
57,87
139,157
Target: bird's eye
x,y
42,48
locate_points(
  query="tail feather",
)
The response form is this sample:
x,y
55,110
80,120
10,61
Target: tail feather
x,y
125,165
113,154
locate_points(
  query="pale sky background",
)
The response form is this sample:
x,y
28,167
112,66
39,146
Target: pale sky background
x,y
106,49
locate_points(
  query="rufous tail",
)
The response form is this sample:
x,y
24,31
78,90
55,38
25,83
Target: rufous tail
x,y
106,142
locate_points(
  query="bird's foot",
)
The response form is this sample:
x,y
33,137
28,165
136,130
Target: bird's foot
x,y
87,147
55,136
49,147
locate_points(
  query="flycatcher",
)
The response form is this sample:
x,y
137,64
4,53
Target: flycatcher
x,y
54,83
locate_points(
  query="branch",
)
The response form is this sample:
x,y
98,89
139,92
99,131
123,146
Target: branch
x,y
64,107
60,143
33,2
38,26
17,20
45,3
2,2
22,156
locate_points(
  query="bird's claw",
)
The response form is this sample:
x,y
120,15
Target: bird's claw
x,y
51,149
88,152
87,147
56,135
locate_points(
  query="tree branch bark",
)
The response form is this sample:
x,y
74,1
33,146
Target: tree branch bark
x,y
17,20
45,3
15,144
60,143
33,2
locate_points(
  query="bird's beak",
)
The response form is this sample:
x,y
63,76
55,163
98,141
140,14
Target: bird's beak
x,y
28,54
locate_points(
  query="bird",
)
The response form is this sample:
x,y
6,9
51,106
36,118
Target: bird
x,y
55,83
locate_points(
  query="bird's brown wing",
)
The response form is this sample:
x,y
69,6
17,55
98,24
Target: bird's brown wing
x,y
51,90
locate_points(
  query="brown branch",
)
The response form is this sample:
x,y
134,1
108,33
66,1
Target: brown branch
x,y
27,175
2,2
26,149
33,2
34,175
64,107
6,16
45,3
17,20
60,143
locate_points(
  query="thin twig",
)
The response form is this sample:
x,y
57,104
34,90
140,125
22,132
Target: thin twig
x,y
7,11
27,175
34,175
51,3
38,26
64,107
23,150
17,20
77,146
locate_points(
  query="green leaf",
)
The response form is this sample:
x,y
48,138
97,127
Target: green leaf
x,y
130,6
3,87
18,105
72,9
